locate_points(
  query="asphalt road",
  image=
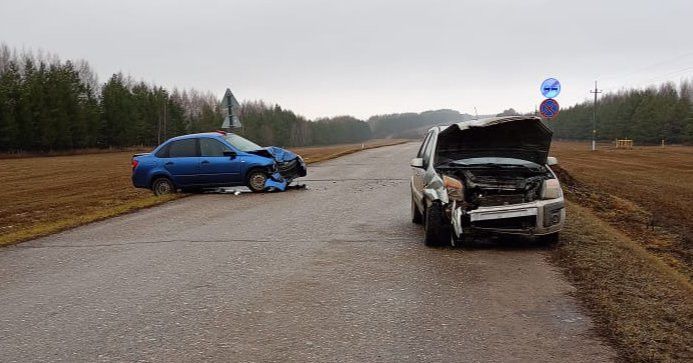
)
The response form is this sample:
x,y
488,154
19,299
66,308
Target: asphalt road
x,y
333,273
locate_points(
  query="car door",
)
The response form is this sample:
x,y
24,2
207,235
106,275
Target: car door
x,y
182,161
418,177
217,168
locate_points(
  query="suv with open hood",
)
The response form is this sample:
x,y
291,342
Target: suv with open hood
x,y
489,175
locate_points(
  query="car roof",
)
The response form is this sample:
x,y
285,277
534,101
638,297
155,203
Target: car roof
x,y
201,134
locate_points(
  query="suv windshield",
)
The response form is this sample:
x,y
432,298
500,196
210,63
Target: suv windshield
x,y
241,143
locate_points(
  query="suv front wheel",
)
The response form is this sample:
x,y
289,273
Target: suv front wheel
x,y
436,231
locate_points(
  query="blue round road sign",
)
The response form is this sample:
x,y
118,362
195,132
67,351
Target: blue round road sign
x,y
549,108
550,88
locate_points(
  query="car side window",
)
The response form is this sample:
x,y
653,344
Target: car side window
x,y
211,147
423,145
163,152
428,150
185,148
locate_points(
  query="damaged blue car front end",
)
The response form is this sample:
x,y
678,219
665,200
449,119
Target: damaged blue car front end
x,y
288,165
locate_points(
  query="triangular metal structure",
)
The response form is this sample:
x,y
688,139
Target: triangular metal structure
x,y
233,111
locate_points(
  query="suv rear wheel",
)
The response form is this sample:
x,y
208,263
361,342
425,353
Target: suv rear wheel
x,y
436,231
416,216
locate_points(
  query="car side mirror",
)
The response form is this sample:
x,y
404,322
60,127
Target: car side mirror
x,y
551,161
417,163
230,153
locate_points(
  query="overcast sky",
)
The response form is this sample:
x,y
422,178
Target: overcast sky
x,y
365,57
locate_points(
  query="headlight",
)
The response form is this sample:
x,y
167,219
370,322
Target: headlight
x,y
454,187
551,189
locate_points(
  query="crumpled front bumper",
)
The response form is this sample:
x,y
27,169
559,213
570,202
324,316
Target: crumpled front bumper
x,y
530,219
286,172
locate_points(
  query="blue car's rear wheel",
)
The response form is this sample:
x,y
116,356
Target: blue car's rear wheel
x,y
256,181
163,186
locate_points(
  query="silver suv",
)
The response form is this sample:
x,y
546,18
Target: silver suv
x,y
490,175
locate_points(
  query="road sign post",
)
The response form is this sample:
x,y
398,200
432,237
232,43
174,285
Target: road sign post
x,y
233,108
550,88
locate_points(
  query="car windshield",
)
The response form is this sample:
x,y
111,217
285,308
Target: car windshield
x,y
241,143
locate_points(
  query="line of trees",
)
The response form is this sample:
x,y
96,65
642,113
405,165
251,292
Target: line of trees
x,y
47,104
645,115
272,125
413,124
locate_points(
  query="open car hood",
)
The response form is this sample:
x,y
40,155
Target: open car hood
x,y
519,137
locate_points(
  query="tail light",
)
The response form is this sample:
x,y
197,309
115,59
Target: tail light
x,y
134,164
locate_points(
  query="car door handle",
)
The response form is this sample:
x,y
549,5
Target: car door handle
x,y
205,162
169,163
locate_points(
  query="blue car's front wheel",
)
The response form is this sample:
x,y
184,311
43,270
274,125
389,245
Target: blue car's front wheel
x,y
256,181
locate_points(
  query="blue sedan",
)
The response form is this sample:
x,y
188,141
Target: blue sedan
x,y
215,159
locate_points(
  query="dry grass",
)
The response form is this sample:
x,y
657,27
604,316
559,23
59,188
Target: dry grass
x,y
44,195
646,193
627,245
638,302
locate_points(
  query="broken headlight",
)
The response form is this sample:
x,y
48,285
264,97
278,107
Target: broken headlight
x,y
551,189
454,187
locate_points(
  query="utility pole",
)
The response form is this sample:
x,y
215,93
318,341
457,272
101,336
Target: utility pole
x,y
594,117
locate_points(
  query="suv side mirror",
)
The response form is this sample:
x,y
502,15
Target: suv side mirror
x,y
551,161
417,163
230,153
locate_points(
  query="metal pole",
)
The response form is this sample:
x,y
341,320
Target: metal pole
x,y
594,117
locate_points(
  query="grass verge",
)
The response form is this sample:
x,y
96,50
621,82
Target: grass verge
x,y
639,302
45,195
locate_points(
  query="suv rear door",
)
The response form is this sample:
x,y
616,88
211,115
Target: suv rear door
x,y
418,177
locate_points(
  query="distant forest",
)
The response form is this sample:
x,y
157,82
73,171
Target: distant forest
x,y
645,115
47,104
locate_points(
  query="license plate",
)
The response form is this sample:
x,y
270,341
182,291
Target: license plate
x,y
486,215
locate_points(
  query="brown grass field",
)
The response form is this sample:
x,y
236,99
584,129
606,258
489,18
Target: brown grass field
x,y
627,245
43,195
646,192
